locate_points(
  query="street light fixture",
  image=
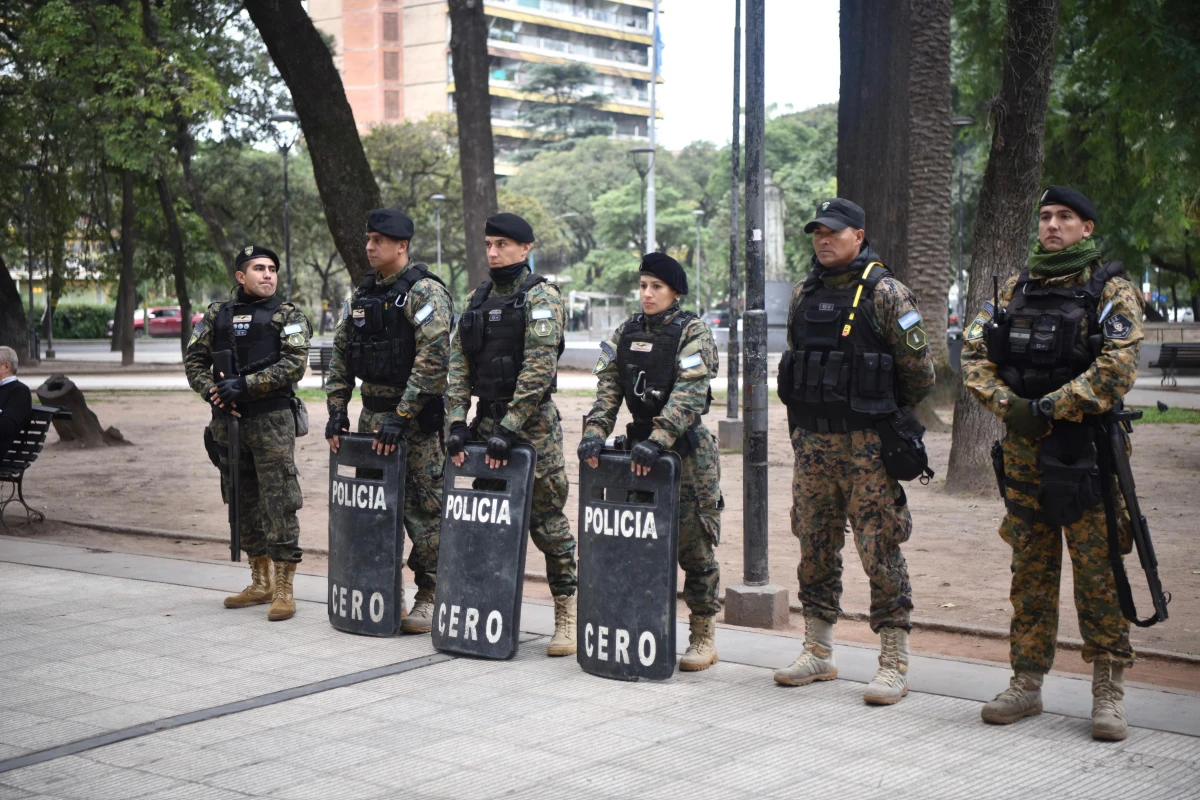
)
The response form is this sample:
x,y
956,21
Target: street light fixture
x,y
29,170
644,169
961,122
437,200
699,214
287,200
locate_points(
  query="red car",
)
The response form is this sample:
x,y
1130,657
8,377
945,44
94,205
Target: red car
x,y
164,321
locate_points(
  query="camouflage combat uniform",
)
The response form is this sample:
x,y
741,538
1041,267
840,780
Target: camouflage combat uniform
x,y
1037,545
269,485
426,451
535,422
700,501
841,475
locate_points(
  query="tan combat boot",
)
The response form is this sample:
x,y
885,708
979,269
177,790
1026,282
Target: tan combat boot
x,y
1108,706
1022,698
563,643
702,645
284,605
261,588
815,662
891,681
420,619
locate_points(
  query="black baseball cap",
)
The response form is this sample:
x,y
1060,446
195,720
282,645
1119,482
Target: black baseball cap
x,y
837,214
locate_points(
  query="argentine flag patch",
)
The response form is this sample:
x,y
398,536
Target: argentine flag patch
x,y
910,319
424,313
295,327
693,360
542,313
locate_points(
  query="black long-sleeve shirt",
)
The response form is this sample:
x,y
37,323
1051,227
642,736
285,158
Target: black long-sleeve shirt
x,y
16,402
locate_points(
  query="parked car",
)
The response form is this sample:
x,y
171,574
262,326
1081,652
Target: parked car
x,y
164,321
716,319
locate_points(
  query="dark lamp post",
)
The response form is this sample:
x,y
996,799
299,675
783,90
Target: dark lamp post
x,y
287,201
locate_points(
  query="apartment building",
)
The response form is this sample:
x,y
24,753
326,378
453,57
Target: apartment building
x,y
394,56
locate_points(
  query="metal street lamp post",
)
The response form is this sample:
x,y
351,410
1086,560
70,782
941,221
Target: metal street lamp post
x,y
29,169
287,201
643,171
699,216
961,122
438,199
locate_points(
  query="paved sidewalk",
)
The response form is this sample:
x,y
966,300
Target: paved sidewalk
x,y
94,644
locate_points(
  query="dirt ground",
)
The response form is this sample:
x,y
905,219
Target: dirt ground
x,y
959,565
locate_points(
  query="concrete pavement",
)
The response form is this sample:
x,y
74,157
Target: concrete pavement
x,y
122,676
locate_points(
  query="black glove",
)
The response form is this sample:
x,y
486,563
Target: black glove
x,y
1021,419
231,390
338,424
392,431
590,447
645,453
456,442
499,446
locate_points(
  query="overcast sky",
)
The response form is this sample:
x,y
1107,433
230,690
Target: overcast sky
x,y
697,97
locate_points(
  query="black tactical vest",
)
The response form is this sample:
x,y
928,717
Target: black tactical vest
x,y
646,364
492,334
246,328
841,375
383,345
1048,336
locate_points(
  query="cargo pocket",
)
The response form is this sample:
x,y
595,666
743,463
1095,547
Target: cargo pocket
x,y
293,499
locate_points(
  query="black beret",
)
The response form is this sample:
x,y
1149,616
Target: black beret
x,y
1071,198
837,214
252,251
666,269
391,223
510,226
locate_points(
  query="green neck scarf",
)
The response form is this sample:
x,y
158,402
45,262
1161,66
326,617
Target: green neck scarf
x,y
1044,264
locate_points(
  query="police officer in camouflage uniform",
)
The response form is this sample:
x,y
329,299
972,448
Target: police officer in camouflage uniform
x,y
505,351
269,339
394,337
660,363
857,355
1064,349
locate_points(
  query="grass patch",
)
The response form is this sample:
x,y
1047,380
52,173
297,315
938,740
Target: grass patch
x,y
1184,416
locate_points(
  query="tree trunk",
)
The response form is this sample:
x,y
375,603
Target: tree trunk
x,y
126,298
14,328
83,427
185,147
1006,197
873,122
344,178
179,263
473,107
930,172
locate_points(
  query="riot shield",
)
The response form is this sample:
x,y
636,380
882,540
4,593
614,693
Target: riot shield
x,y
366,546
481,559
628,546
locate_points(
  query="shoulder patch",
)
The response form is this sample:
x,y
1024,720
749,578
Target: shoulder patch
x,y
541,313
543,328
976,329
1118,326
295,327
988,308
608,350
693,360
910,319
197,331
423,314
916,339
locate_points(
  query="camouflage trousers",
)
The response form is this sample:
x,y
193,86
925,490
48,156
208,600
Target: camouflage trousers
x,y
422,498
840,476
268,483
1037,571
548,526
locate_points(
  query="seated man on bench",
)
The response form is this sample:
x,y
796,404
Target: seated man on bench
x,y
16,402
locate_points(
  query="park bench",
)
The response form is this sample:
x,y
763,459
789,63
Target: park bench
x,y
21,454
318,360
1175,356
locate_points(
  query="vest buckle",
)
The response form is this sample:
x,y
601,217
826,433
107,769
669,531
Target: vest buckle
x,y
520,301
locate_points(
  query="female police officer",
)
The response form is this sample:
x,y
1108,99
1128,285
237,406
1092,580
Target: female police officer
x,y
660,363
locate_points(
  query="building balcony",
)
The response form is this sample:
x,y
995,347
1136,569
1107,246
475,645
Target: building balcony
x,y
567,16
634,60
512,91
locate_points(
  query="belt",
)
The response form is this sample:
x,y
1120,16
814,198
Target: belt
x,y
496,409
823,425
255,407
377,404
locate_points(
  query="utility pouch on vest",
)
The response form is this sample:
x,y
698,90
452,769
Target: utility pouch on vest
x,y
783,380
1070,484
213,449
432,416
502,371
300,415
367,314
470,331
904,455
1050,338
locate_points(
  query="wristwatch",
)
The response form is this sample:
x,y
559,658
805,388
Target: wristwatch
x,y
1043,407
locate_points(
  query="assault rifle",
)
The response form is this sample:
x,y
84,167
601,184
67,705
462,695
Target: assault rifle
x,y
223,368
1113,430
